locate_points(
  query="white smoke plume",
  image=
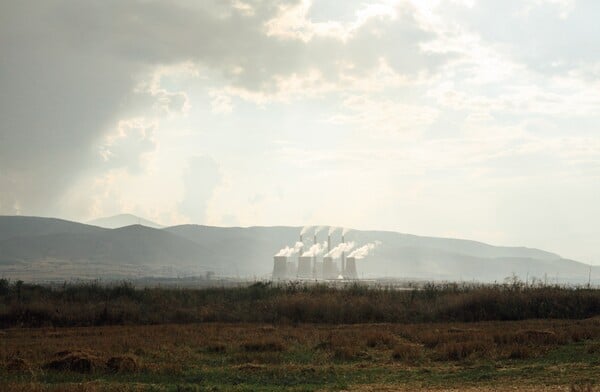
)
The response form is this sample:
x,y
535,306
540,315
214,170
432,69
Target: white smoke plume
x,y
305,229
363,251
343,247
345,231
316,249
318,229
332,229
290,251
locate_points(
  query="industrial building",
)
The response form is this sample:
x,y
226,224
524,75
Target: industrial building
x,y
301,264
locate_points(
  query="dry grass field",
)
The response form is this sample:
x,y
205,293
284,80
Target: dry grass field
x,y
534,355
92,337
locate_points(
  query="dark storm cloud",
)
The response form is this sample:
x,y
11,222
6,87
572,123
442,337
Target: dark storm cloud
x,y
66,73
68,69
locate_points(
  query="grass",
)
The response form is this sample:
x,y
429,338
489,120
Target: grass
x,y
89,337
305,357
24,305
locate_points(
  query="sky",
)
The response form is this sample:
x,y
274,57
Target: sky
x,y
454,118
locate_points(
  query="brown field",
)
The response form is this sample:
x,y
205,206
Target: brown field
x,y
549,355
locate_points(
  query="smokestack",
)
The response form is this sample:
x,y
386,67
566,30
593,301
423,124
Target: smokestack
x,y
300,251
328,243
314,260
343,258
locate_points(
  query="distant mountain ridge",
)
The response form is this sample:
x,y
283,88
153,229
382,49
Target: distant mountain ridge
x,y
39,248
122,220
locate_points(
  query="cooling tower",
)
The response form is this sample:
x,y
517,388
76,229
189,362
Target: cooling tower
x,y
350,272
318,270
291,269
330,270
305,267
279,268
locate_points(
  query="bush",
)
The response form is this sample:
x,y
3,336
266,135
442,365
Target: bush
x,y
27,305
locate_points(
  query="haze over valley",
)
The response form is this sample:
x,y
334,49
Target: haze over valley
x,y
46,249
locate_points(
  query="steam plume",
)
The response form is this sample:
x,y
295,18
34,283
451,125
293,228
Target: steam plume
x,y
345,231
305,229
318,229
363,251
316,249
343,247
290,251
332,229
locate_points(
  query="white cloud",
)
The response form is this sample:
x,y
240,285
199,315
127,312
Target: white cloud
x,y
384,116
411,109
125,146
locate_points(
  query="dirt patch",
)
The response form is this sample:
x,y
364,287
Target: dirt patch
x,y
74,361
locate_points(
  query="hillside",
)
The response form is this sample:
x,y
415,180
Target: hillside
x,y
400,255
53,248
28,226
122,220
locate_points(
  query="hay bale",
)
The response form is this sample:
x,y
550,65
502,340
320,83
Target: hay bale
x,y
123,364
73,361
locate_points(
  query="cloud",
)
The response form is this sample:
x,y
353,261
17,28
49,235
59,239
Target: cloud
x,y
70,70
125,147
384,116
200,180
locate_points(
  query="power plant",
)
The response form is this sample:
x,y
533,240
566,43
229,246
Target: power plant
x,y
320,261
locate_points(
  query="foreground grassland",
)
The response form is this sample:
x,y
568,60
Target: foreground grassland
x,y
298,337
527,355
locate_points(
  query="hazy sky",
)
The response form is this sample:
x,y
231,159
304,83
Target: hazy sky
x,y
457,118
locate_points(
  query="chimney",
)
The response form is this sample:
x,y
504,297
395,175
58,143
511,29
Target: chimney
x,y
300,251
328,243
343,258
314,260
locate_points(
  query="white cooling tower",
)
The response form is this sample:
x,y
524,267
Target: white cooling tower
x,y
305,267
291,269
351,272
330,270
279,268
318,270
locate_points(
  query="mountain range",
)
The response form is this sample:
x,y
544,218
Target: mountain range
x,y
47,249
122,220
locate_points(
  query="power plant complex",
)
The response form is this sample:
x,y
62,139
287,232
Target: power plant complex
x,y
319,261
